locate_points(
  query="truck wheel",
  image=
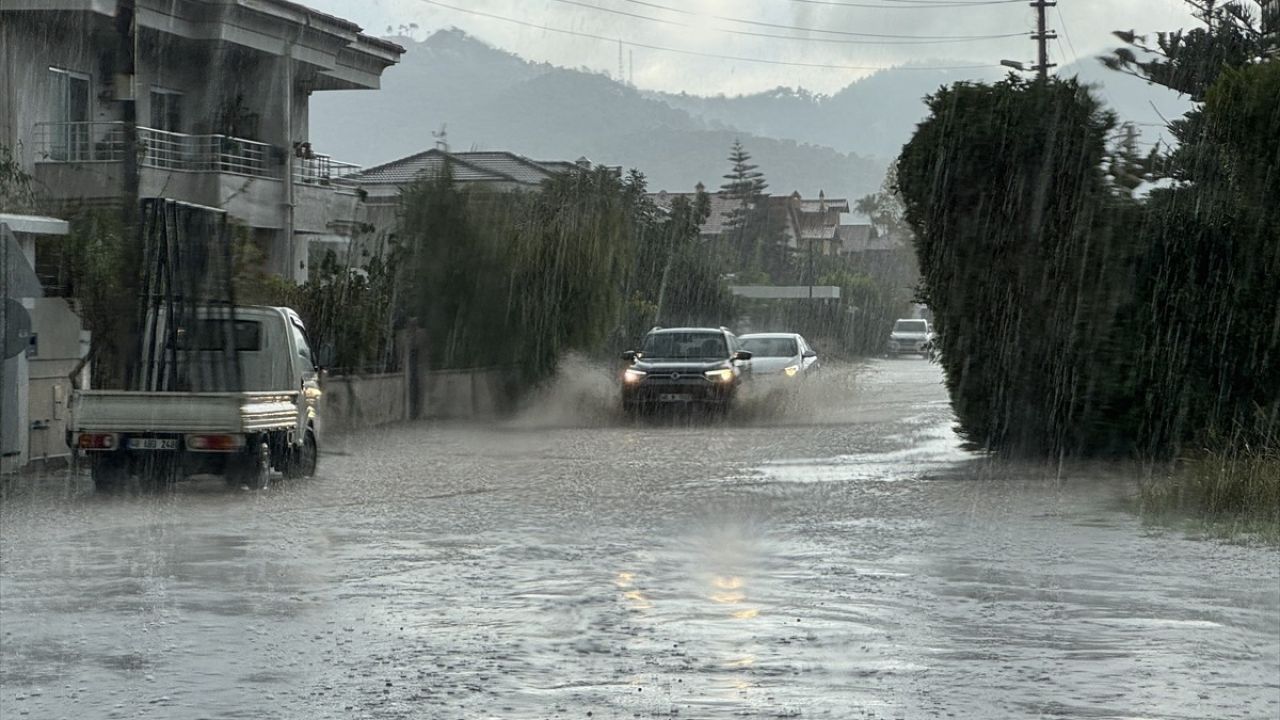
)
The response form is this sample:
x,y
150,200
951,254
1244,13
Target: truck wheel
x,y
109,473
251,469
303,460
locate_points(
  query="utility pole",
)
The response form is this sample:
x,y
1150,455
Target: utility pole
x,y
1042,37
126,89
126,93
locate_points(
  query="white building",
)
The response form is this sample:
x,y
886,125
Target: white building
x,y
222,90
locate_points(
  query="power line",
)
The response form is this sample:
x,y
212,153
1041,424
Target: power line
x,y
799,28
907,4
696,53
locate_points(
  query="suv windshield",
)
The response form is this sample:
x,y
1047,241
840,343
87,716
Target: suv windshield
x,y
770,347
684,345
910,326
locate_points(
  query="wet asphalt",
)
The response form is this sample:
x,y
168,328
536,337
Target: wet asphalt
x,y
844,558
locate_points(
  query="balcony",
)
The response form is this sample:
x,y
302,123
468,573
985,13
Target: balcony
x,y
322,170
84,162
103,142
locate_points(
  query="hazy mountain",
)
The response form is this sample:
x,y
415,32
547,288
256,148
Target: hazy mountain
x,y
490,99
873,116
876,115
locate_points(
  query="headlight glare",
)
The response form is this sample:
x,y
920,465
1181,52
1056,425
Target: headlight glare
x,y
722,375
792,370
632,375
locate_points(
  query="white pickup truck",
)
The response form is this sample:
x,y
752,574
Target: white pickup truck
x,y
270,423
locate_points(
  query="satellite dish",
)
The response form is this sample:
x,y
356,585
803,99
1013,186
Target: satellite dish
x,y
17,329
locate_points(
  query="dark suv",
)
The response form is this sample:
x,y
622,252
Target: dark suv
x,y
683,367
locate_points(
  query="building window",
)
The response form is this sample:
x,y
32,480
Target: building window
x,y
166,110
166,151
69,139
50,268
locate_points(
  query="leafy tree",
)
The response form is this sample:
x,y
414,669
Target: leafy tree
x,y
1211,241
518,279
884,207
1127,167
1206,297
453,271
863,318
1190,61
570,262
91,267
16,193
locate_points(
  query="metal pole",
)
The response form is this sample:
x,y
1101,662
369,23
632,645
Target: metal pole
x,y
811,241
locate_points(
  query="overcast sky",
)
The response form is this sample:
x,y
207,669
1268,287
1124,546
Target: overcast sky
x,y
854,37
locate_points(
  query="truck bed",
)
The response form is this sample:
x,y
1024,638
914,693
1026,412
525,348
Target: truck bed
x,y
182,412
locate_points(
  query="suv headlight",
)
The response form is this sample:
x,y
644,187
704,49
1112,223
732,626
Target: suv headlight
x,y
722,375
632,375
792,370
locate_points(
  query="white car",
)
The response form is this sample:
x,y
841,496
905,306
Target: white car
x,y
911,337
781,356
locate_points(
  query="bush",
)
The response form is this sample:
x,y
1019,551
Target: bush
x,y
1003,188
1075,320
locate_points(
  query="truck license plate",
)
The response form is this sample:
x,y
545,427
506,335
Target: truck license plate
x,y
153,443
674,397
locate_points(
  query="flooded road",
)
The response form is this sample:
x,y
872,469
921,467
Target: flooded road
x,y
847,562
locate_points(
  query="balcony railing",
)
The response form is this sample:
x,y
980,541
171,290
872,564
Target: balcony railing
x,y
322,170
91,142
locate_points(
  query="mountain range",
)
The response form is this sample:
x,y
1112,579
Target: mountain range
x,y
481,97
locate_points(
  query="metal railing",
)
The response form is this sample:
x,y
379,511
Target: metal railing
x,y
322,170
88,142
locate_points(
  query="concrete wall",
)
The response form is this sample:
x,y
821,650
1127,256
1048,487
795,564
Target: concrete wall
x,y
460,394
352,402
254,201
355,402
316,206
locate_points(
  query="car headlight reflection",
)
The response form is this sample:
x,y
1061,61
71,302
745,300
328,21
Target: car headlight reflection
x,y
632,375
722,375
792,370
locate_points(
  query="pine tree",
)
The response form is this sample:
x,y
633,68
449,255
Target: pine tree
x,y
747,219
745,182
